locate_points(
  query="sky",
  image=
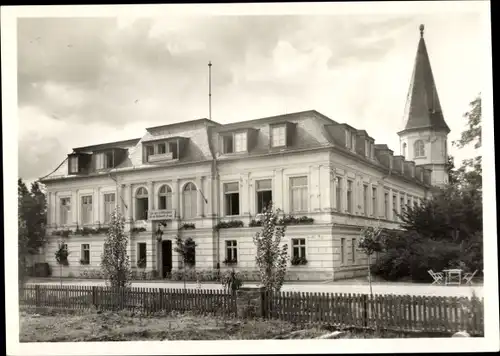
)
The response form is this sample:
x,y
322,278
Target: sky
x,y
84,81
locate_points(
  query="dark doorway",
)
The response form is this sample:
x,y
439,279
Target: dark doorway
x,y
166,253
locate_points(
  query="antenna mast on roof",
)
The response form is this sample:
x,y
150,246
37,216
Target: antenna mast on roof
x,y
210,90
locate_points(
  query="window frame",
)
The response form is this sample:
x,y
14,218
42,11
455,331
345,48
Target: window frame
x,y
91,204
350,196
227,195
353,250
138,255
374,201
107,217
68,210
419,149
244,142
300,187
82,254
281,127
338,192
231,246
300,244
365,200
141,196
193,194
262,190
342,251
168,193
73,163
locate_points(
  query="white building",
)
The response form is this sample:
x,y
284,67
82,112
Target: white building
x,y
200,173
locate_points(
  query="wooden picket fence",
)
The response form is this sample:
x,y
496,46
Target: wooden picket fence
x,y
144,300
390,312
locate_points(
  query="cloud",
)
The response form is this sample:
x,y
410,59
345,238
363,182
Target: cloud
x,y
89,80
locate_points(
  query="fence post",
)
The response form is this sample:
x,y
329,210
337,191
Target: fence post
x,y
365,310
264,304
37,295
94,296
161,299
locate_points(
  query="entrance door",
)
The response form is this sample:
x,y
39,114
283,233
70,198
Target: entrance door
x,y
166,253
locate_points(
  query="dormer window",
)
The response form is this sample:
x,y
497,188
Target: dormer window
x,y
240,142
165,150
73,164
278,136
235,142
353,142
367,148
104,160
347,139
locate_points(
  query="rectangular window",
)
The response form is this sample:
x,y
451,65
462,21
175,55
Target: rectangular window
x,y
394,206
349,197
141,253
367,148
160,148
109,206
65,208
365,199
298,194
338,192
374,201
240,142
353,142
342,250
278,136
372,151
264,194
87,210
85,259
353,250
347,139
73,164
298,248
232,198
408,203
228,144
402,204
150,151
386,205
104,160
173,148
232,251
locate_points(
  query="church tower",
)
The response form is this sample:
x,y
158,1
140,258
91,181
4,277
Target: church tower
x,y
424,138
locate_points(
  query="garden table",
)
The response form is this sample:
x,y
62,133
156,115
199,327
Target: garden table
x,y
453,276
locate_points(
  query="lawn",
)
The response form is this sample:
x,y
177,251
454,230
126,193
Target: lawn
x,y
124,326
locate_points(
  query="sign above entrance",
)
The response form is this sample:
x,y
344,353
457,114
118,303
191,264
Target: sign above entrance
x,y
161,214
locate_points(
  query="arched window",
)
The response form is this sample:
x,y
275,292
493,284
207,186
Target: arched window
x,y
141,204
189,201
165,198
419,148
404,150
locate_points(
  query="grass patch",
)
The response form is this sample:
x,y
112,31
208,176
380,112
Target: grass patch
x,y
127,326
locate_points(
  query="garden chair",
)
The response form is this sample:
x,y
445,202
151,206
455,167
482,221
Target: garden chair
x,y
437,276
468,277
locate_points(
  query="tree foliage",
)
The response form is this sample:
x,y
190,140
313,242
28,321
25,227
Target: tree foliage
x,y
473,132
271,256
32,212
186,249
61,254
115,263
445,230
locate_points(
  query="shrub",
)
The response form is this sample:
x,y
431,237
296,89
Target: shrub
x,y
138,229
141,263
231,280
229,224
188,226
255,223
292,220
409,254
296,261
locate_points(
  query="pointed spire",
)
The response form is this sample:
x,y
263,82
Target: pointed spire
x,y
423,109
